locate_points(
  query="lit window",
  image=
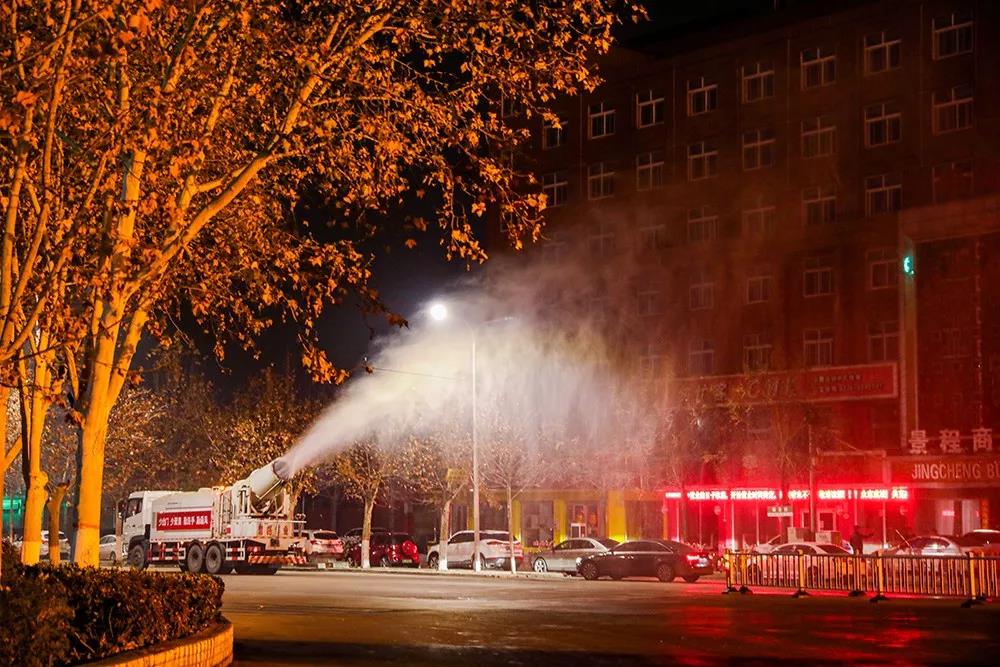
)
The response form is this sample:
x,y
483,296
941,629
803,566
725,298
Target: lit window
x,y
702,97
653,237
817,277
702,224
600,180
883,194
952,180
759,285
883,341
952,109
602,120
701,293
648,109
757,352
703,160
701,357
648,303
553,132
819,137
555,187
817,347
602,240
758,222
758,149
883,124
819,205
953,34
883,269
649,170
818,68
758,82
881,53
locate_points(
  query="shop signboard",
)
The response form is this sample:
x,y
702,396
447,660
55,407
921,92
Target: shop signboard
x,y
779,511
945,471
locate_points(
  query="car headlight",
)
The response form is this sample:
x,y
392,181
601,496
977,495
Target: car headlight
x,y
579,559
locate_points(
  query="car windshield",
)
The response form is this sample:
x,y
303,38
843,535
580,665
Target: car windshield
x,y
495,536
833,549
609,544
324,535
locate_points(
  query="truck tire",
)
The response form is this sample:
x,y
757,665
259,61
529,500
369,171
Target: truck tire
x,y
195,558
215,559
137,556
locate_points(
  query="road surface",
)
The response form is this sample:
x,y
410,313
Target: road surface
x,y
356,618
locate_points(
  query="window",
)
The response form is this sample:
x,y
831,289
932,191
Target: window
x,y
602,240
952,35
883,341
819,137
758,222
758,82
702,97
952,109
602,120
552,132
818,68
702,224
881,53
649,170
701,357
648,303
653,237
817,347
600,180
703,160
759,285
817,277
648,109
701,293
819,205
883,194
883,268
649,363
757,352
758,149
555,187
883,124
952,180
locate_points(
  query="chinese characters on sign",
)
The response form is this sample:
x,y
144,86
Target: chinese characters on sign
x,y
950,441
189,520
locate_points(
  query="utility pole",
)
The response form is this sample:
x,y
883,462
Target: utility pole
x,y
812,481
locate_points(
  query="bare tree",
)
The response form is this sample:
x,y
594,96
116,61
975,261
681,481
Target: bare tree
x,y
364,470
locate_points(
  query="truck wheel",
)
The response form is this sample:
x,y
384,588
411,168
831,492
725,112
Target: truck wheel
x,y
215,559
195,558
137,557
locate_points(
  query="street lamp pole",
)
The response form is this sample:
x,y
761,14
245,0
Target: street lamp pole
x,y
476,562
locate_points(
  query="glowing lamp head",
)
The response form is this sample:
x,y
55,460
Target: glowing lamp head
x,y
439,312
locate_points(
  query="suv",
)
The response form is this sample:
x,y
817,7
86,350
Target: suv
x,y
352,537
322,545
494,550
387,549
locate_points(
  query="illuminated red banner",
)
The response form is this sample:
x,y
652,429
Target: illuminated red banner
x,y
930,470
184,520
837,383
890,493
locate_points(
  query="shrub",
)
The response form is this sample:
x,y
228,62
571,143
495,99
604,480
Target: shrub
x,y
35,619
11,562
118,610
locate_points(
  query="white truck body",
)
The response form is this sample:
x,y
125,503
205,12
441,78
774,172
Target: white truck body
x,y
247,527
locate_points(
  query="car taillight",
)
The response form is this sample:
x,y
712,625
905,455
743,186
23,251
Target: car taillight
x,y
409,548
693,558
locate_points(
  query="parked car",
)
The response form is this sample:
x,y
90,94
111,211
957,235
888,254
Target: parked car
x,y
353,536
387,549
984,539
63,545
565,556
927,545
813,548
322,545
770,545
663,559
494,550
108,549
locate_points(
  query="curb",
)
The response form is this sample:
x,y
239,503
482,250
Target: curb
x,y
212,647
485,574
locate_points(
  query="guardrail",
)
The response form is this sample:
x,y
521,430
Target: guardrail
x,y
973,576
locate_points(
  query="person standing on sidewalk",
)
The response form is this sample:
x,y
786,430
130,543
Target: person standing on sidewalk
x,y
857,541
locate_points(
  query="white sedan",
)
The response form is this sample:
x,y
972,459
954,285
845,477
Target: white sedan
x,y
108,549
565,556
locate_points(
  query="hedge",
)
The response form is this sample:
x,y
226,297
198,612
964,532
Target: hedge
x,y
63,615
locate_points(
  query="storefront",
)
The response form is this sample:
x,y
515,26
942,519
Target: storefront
x,y
958,493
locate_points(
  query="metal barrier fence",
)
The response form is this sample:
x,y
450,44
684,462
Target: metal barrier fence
x,y
974,577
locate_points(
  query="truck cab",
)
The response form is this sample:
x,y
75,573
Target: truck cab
x,y
137,515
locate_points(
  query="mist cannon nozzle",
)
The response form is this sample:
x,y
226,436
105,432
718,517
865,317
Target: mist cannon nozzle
x,y
283,469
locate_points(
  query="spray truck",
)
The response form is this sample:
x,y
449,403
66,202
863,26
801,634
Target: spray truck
x,y
247,527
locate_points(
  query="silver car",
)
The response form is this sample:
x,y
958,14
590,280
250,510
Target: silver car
x,y
563,557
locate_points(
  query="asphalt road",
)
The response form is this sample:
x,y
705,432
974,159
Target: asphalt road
x,y
356,618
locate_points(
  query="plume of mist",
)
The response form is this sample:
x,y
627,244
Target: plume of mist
x,y
545,374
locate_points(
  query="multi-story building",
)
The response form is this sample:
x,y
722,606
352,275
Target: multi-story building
x,y
810,197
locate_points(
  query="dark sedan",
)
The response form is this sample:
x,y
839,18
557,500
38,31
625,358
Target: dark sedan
x,y
663,559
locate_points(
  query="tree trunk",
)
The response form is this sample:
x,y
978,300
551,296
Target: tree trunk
x,y
444,533
366,534
510,529
91,478
54,505
4,424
